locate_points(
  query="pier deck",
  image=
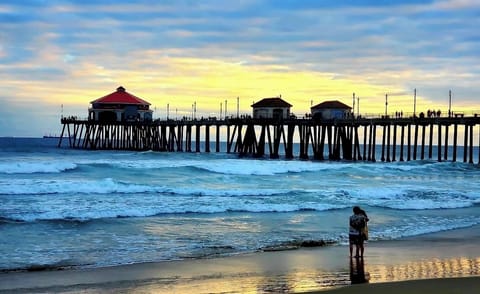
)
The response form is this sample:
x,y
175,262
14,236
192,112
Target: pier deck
x,y
339,139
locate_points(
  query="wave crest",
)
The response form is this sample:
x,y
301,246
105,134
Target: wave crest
x,y
36,167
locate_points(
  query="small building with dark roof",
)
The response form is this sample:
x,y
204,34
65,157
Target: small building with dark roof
x,y
119,106
330,110
274,107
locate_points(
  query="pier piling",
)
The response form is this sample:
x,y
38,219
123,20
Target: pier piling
x,y
333,140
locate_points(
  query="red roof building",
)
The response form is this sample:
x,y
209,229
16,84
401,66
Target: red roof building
x,y
120,96
274,107
120,106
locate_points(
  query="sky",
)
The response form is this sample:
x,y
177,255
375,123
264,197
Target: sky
x,y
57,56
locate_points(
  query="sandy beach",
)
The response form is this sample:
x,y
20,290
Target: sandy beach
x,y
445,255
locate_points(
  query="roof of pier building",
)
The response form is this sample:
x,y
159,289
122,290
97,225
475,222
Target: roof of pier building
x,y
334,104
120,96
272,102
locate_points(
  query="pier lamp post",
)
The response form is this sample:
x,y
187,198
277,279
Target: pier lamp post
x,y
238,107
386,104
353,104
414,102
195,110
221,110
168,110
225,109
449,103
358,106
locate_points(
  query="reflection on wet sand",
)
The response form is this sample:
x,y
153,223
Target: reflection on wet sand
x,y
426,269
357,271
304,280
294,282
270,272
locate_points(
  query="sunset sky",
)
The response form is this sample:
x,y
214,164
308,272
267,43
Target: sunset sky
x,y
55,53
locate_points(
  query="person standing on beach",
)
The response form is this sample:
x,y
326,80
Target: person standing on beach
x,y
358,223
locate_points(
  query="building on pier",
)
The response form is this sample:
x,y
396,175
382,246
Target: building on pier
x,y
329,110
401,139
122,121
119,106
274,107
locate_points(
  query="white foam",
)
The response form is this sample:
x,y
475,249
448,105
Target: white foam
x,y
38,187
414,197
111,203
109,186
19,167
422,226
226,166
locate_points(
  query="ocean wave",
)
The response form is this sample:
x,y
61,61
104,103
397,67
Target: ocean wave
x,y
408,198
36,167
111,186
42,187
263,167
226,166
424,204
110,211
422,226
408,168
267,167
85,213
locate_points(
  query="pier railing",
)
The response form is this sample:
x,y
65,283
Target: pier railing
x,y
353,138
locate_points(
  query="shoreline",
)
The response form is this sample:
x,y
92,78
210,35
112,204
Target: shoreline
x,y
442,255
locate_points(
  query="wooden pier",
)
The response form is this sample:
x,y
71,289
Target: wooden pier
x,y
400,139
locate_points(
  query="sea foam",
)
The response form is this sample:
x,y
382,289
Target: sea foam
x,y
35,167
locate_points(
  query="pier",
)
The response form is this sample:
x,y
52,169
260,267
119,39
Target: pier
x,y
354,138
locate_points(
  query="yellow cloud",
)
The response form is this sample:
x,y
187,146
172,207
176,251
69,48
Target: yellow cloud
x,y
180,82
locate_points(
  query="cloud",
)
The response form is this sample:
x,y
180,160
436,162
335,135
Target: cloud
x,y
456,4
182,51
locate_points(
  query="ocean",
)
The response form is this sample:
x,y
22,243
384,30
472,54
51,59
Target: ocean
x,y
68,208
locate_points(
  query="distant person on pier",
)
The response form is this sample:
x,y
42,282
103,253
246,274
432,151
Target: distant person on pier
x,y
358,231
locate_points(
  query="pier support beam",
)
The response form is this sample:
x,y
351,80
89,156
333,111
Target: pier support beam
x,y
344,137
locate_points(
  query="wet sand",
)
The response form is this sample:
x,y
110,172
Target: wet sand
x,y
440,256
437,286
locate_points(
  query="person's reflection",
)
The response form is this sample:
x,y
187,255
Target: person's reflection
x,y
357,271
